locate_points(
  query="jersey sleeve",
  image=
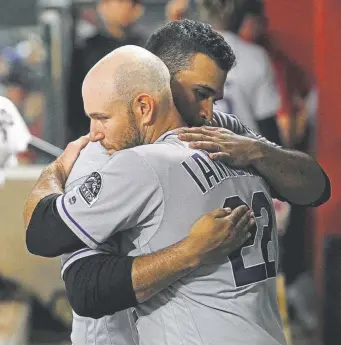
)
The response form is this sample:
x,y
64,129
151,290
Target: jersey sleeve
x,y
266,99
121,195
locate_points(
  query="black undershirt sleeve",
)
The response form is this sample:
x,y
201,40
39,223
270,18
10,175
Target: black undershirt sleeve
x,y
100,285
47,235
268,128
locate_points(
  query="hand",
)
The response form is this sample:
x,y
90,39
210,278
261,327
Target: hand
x,y
233,149
68,158
218,234
175,9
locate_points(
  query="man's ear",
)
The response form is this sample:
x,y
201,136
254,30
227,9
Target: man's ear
x,y
144,107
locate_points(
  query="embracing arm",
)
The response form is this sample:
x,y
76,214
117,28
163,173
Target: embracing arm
x,y
295,176
52,240
102,284
51,181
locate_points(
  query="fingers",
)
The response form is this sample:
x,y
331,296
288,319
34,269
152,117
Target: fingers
x,y
221,156
245,222
82,141
206,130
243,236
211,128
221,212
208,146
238,213
199,130
76,146
195,137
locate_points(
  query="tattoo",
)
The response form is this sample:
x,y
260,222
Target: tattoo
x,y
51,181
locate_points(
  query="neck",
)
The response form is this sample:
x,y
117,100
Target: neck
x,y
173,121
116,30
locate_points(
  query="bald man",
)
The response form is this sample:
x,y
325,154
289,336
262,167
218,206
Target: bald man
x,y
150,195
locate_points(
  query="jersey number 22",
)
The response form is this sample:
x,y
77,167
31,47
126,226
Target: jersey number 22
x,y
250,275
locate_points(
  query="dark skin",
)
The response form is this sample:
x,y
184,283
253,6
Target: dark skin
x,y
294,175
195,93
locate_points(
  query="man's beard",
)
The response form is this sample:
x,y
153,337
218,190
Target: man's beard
x,y
131,137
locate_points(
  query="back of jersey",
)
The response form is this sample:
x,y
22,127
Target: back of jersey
x,y
250,90
232,303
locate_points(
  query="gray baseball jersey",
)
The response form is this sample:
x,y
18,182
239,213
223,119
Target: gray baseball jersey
x,y
153,194
117,329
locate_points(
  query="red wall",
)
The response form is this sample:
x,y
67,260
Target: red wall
x,y
310,32
291,24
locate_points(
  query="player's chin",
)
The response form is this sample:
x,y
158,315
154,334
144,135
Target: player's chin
x,y
107,146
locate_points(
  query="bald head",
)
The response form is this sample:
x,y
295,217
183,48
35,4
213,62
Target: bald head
x,y
128,98
127,72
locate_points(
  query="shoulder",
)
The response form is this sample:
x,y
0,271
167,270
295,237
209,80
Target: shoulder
x,y
165,150
164,154
91,158
131,163
6,104
228,121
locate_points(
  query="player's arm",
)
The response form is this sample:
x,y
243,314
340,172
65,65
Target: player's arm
x,y
52,179
100,284
293,176
121,195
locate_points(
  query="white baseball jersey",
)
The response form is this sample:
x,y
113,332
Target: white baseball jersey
x,y
153,194
14,135
250,90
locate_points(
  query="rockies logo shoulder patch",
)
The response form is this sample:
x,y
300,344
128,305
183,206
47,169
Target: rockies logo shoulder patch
x,y
91,188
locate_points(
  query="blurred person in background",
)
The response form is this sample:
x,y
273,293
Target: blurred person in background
x,y
21,76
14,136
250,90
118,17
293,83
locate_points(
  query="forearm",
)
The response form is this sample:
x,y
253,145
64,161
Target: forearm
x,y
100,285
295,176
51,181
154,272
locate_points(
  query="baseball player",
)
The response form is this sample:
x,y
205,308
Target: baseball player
x,y
198,102
151,183
14,135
